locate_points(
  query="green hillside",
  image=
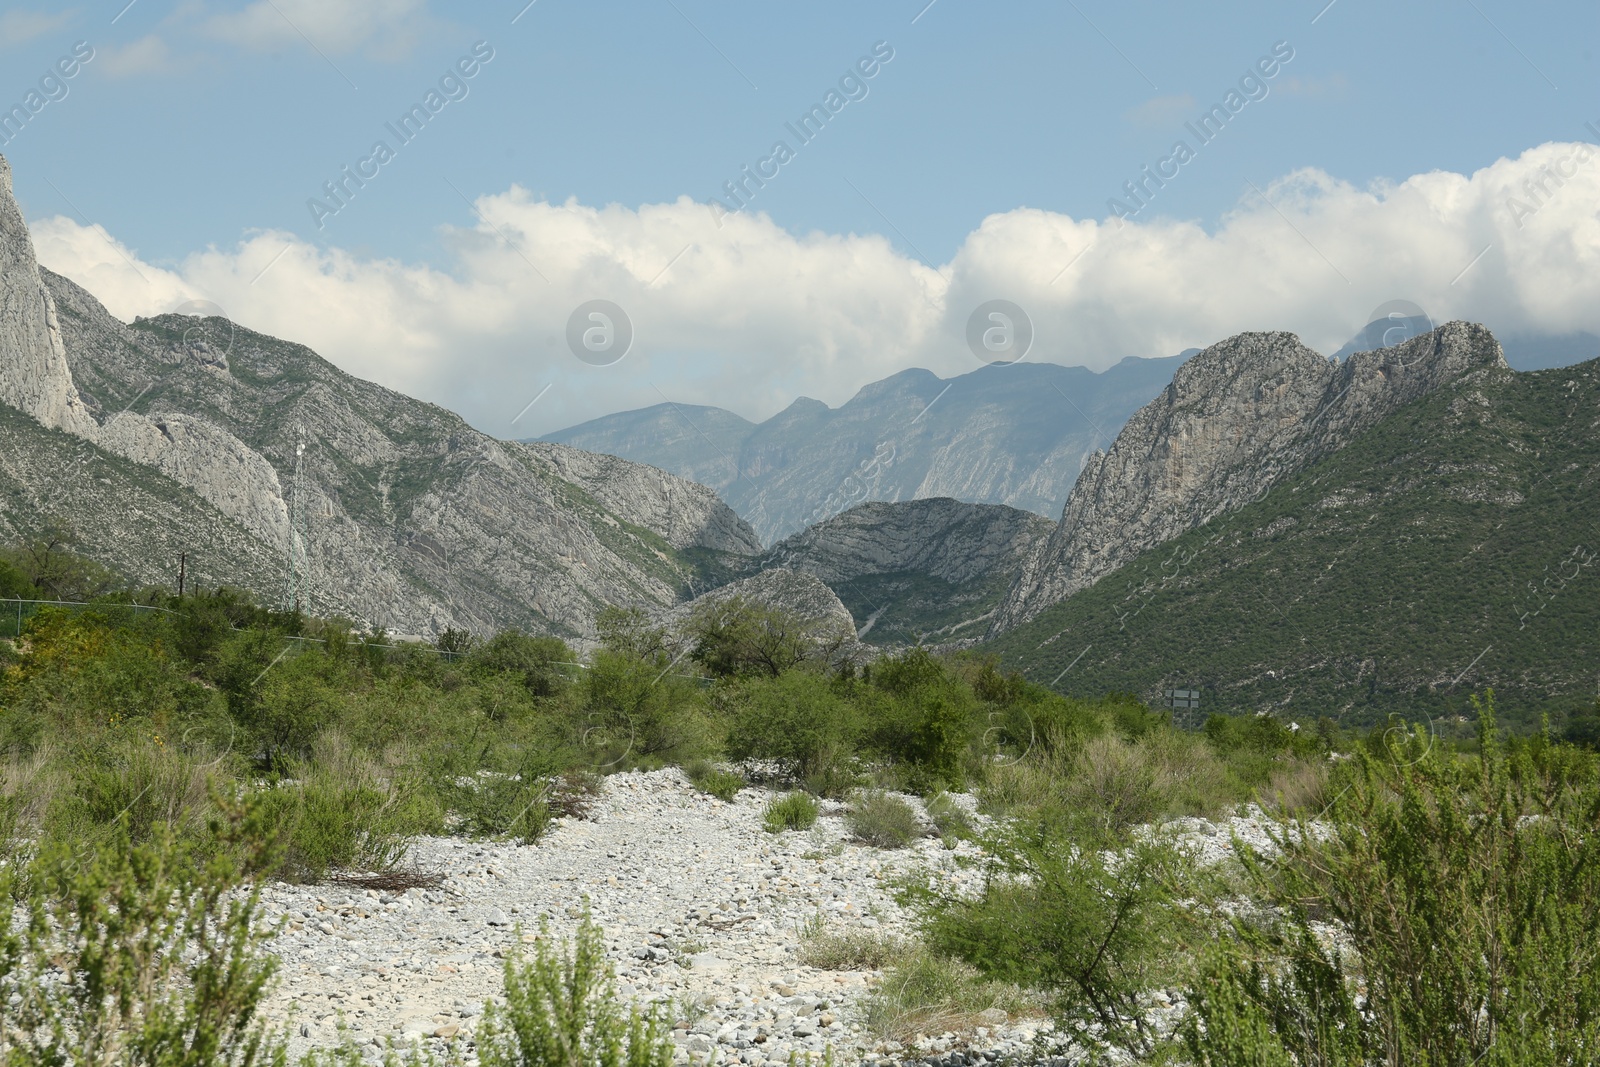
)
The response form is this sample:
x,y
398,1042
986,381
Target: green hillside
x,y
1453,547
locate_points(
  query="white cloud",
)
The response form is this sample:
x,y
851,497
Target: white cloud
x,y
387,28
19,27
147,55
750,316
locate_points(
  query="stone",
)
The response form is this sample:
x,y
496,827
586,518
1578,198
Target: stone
x,y
1236,419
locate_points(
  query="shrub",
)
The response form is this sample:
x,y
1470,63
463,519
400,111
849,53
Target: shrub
x,y
562,1010
1467,891
340,811
504,805
949,818
713,780
794,811
1094,930
158,944
883,820
797,721
849,950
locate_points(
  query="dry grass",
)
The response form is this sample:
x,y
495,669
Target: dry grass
x,y
850,950
923,993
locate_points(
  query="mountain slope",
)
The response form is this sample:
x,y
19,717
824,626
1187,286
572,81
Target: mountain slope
x,y
416,521
1236,419
917,571
1449,547
1013,435
130,518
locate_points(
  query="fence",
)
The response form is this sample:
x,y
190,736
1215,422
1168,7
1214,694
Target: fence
x,y
14,613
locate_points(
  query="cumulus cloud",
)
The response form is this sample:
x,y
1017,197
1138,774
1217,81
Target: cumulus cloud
x,y
748,315
384,27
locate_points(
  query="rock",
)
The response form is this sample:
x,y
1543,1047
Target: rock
x,y
1237,418
496,917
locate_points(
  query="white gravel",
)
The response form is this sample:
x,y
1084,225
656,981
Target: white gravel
x,y
699,905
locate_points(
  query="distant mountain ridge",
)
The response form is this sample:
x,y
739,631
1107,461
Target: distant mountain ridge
x,y
1014,435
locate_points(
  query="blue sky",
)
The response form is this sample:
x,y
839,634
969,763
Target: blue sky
x,y
208,125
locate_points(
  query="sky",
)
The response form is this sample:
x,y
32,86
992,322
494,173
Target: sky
x,y
1129,178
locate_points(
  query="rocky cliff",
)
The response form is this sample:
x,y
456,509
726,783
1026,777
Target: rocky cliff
x,y
1234,421
414,520
33,363
918,571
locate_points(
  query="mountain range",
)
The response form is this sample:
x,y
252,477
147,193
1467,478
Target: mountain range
x,y
1003,434
179,434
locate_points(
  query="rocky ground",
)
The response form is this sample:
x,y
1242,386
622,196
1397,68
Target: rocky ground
x,y
701,909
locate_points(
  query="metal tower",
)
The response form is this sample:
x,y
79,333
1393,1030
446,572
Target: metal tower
x,y
296,579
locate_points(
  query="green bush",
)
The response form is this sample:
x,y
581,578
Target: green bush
x,y
795,811
504,805
949,818
1467,892
882,820
161,942
797,721
713,780
1093,930
562,1010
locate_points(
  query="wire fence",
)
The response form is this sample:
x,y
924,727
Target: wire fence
x,y
14,616
14,613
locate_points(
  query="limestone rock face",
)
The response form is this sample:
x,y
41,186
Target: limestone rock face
x,y
940,537
33,363
687,514
414,520
1236,419
793,591
213,463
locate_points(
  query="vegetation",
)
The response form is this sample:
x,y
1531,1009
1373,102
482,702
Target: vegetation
x,y
1448,549
1425,900
795,811
883,820
562,1010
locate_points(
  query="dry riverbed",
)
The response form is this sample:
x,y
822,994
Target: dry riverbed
x,y
701,909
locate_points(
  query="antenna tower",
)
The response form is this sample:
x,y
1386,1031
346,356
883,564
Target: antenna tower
x,y
296,586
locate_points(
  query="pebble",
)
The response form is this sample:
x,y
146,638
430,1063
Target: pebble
x,y
699,907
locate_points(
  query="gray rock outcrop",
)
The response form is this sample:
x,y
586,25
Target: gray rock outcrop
x,y
942,538
33,362
1235,420
796,592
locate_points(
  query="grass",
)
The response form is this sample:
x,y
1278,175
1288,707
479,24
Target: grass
x,y
793,811
949,818
713,780
924,993
883,820
849,950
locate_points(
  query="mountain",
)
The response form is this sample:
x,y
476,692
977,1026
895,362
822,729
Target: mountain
x,y
917,571
411,519
1449,546
1014,435
1235,420
1523,351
